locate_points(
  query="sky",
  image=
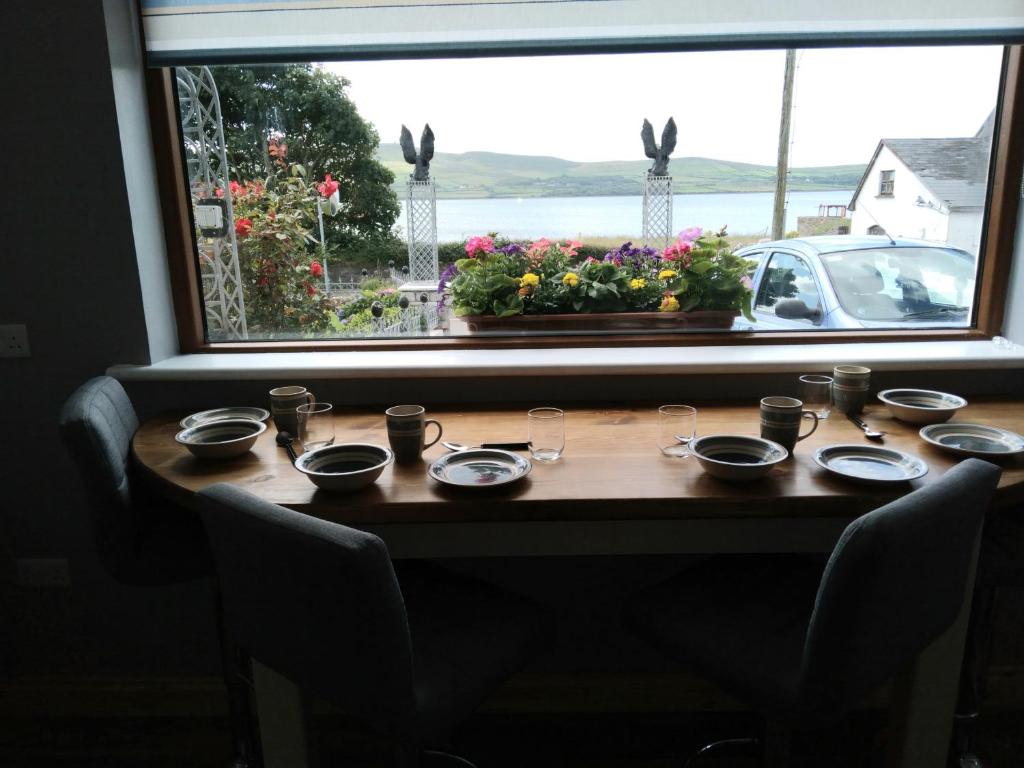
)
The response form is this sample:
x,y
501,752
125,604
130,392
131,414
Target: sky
x,y
726,104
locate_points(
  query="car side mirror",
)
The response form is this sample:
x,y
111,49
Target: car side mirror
x,y
795,309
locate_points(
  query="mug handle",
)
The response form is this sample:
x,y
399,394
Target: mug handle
x,y
436,424
310,398
813,415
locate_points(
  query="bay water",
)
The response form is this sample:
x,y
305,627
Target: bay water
x,y
745,213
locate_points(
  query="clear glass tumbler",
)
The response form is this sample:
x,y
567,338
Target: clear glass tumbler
x,y
316,425
816,392
547,433
677,426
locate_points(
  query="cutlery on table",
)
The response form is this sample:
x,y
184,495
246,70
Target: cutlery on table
x,y
869,433
502,446
285,440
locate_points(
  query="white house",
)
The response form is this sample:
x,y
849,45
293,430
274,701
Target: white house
x,y
932,189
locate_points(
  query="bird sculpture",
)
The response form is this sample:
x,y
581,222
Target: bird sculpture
x,y
425,155
658,154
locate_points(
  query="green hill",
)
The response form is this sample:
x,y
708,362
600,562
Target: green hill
x,y
491,174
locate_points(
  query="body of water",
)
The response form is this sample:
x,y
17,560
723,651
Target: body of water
x,y
563,217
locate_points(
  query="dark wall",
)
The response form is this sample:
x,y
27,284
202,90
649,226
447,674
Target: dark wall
x,y
70,273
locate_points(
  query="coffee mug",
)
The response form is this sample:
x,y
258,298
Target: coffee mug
x,y
850,387
407,429
780,421
283,402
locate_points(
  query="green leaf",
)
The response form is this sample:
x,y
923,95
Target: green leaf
x,y
745,306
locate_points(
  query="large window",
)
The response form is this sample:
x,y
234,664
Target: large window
x,y
536,206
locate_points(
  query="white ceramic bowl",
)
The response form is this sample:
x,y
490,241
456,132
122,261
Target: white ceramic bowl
x,y
921,406
344,466
737,458
223,439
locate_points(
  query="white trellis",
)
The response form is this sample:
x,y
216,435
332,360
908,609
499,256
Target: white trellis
x,y
421,215
658,230
206,161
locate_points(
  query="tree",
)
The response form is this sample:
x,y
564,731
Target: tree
x,y
310,111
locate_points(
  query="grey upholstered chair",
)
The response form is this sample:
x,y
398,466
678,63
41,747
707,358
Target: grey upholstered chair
x,y
141,539
804,647
320,604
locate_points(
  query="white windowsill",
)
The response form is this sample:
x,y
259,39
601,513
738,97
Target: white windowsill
x,y
446,363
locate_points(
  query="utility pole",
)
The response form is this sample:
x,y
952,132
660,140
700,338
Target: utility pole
x,y
779,213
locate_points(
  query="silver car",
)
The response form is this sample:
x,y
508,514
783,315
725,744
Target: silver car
x,y
844,282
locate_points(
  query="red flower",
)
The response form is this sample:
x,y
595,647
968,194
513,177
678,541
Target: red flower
x,y
243,227
237,190
315,269
264,282
310,290
327,187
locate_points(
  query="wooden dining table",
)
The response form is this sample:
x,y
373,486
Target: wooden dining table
x,y
611,493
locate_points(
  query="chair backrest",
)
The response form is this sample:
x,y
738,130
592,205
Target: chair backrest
x,y
895,581
317,602
97,424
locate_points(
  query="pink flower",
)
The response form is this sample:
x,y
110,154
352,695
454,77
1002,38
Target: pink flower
x,y
477,246
571,247
243,227
327,187
690,234
747,282
315,269
236,188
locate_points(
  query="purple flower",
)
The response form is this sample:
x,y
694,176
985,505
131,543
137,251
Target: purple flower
x,y
512,249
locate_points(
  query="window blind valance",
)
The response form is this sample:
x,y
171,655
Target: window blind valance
x,y
236,31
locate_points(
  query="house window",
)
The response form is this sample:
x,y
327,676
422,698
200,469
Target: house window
x,y
539,223
886,183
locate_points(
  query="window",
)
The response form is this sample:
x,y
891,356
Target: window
x,y
318,260
886,183
788,292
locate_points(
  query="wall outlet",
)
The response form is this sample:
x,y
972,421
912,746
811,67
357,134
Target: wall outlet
x,y
43,572
14,341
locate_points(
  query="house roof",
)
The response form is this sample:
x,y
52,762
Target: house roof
x,y
954,170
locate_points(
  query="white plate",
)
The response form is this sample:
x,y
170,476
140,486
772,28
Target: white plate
x,y
480,468
219,414
973,439
870,464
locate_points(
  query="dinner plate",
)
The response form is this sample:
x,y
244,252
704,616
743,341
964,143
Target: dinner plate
x,y
973,439
479,468
219,414
870,463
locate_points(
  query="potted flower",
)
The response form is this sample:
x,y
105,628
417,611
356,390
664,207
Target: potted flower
x,y
694,283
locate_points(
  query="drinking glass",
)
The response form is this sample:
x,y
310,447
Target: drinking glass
x,y
816,392
677,426
547,433
316,425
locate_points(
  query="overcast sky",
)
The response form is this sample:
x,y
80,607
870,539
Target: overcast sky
x,y
726,104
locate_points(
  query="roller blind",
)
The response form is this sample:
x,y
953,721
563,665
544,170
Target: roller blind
x,y
223,31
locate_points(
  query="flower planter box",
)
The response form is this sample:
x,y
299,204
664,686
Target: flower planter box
x,y
612,321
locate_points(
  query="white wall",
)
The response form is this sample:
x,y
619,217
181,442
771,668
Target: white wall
x,y
965,229
898,215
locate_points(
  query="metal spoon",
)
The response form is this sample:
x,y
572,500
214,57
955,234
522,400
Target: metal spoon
x,y
285,440
869,433
502,446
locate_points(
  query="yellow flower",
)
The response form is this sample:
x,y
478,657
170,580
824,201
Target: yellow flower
x,y
529,280
289,311
669,304
667,274
571,279
637,283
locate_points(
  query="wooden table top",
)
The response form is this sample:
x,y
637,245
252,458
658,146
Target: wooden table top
x,y
611,469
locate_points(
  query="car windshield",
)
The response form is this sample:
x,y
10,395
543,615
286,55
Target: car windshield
x,y
903,283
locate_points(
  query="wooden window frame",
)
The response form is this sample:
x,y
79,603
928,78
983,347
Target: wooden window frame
x,y
996,253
